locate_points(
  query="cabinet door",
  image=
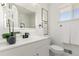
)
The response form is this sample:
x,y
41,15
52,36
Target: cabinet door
x,y
42,51
64,32
75,32
42,48
25,50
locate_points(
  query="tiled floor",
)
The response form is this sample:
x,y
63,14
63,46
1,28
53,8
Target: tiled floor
x,y
73,48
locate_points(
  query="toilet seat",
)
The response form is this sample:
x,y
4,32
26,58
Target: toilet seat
x,y
58,48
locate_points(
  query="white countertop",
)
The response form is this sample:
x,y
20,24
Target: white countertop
x,y
20,41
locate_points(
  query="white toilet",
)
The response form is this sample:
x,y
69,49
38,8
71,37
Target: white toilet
x,y
57,50
56,47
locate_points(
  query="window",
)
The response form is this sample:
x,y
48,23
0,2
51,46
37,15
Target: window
x,y
66,16
65,13
76,10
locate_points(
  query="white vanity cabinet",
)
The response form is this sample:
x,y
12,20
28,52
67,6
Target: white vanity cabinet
x,y
38,48
42,51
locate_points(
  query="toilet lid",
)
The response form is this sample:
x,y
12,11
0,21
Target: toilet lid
x,y
55,47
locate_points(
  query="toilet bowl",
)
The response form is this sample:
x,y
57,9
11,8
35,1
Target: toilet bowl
x,y
57,50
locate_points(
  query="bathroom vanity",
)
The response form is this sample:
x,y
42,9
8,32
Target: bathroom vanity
x,y
32,46
25,17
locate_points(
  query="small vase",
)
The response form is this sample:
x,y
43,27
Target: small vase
x,y
11,40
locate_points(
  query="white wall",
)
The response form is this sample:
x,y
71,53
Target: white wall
x,y
53,20
1,20
59,34
2,25
68,33
38,16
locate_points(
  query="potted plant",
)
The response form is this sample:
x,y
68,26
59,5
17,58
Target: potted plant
x,y
9,37
6,35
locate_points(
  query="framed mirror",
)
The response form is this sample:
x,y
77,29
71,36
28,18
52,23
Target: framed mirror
x,y
26,18
22,17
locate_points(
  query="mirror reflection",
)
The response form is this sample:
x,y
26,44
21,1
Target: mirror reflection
x,y
21,16
26,18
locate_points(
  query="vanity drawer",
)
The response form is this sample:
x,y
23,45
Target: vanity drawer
x,y
44,42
